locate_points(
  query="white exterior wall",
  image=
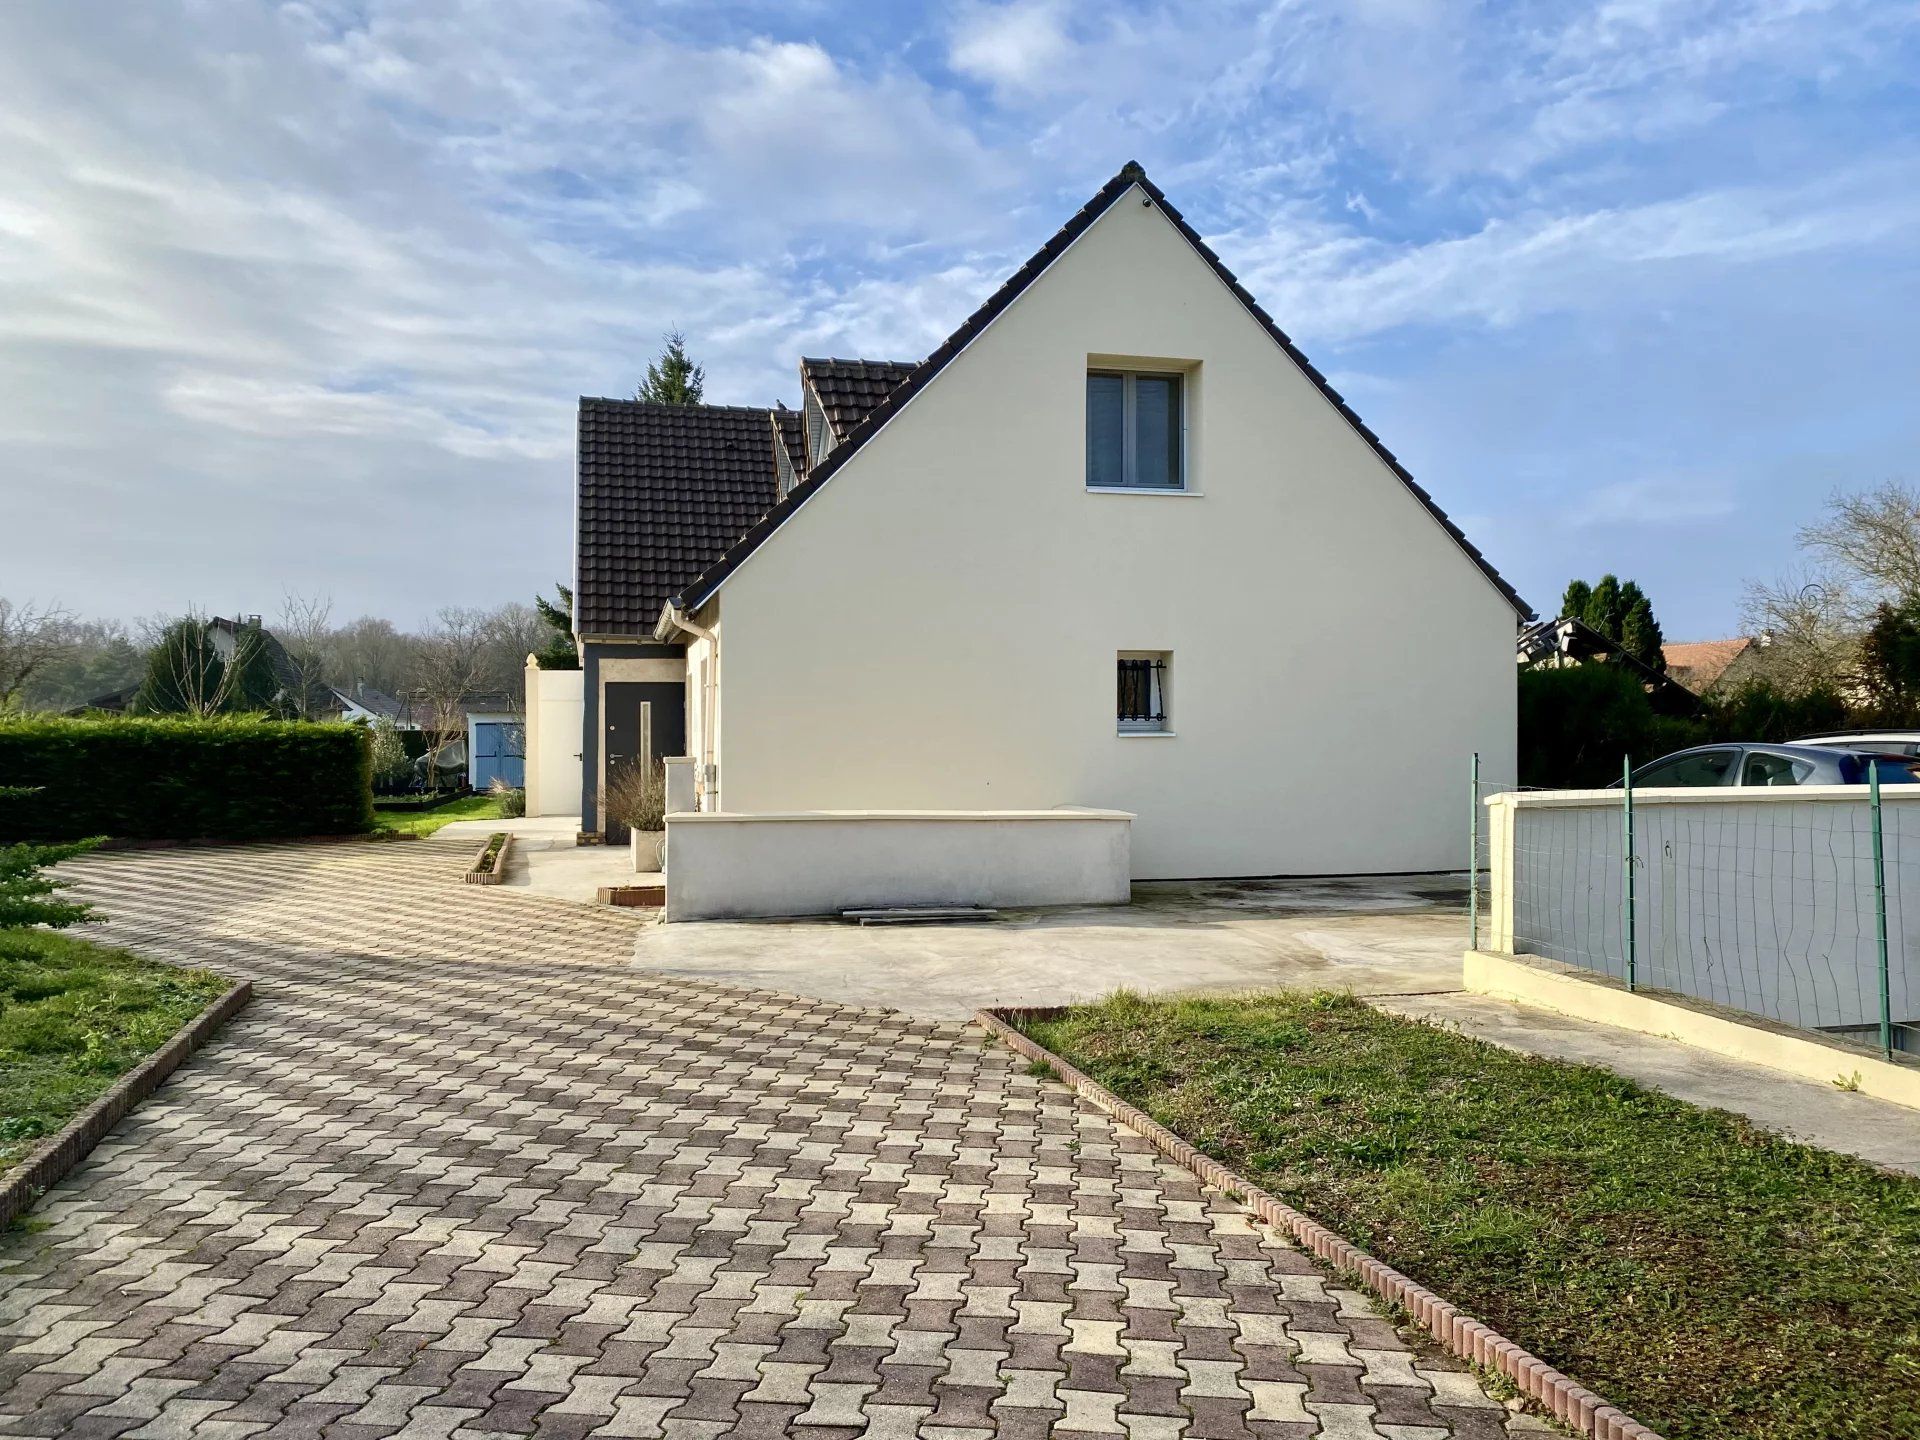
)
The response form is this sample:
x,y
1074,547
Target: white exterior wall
x,y
937,628
727,866
554,700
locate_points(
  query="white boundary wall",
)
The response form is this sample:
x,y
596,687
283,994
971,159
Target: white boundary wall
x,y
554,718
1757,899
731,866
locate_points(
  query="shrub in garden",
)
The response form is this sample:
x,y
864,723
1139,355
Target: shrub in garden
x,y
183,778
28,896
637,797
1578,722
392,766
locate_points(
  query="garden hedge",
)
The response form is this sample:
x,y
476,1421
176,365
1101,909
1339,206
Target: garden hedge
x,y
175,778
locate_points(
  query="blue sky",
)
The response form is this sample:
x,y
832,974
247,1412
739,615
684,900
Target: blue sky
x,y
299,296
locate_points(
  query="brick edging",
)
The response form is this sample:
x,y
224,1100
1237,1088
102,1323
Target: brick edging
x,y
27,1181
1458,1332
474,875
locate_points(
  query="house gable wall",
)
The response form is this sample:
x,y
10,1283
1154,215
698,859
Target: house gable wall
x,y
938,626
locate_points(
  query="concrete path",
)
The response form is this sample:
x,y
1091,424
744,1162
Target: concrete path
x,y
462,1170
1823,1115
1391,935
548,860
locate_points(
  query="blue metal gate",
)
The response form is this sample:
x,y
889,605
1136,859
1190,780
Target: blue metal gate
x,y
499,753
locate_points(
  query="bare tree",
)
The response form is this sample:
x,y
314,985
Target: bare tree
x,y
513,632
369,651
1863,553
1810,627
304,629
201,666
32,637
448,669
1867,548
96,658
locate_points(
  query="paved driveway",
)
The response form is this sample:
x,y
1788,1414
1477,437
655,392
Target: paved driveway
x,y
462,1168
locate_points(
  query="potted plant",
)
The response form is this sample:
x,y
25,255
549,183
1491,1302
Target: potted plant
x,y
637,799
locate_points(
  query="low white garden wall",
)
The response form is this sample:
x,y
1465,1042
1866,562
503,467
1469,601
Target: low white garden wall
x,y
820,862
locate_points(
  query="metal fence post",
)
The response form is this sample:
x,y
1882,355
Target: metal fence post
x,y
1626,862
1473,855
1880,911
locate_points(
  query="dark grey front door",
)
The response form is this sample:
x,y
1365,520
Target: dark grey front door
x,y
622,732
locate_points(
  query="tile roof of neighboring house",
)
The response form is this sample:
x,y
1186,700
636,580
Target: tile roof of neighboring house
x,y
849,390
701,588
1696,664
374,702
663,491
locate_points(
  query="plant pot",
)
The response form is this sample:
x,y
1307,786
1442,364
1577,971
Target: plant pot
x,y
646,846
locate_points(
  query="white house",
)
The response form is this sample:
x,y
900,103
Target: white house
x,y
1114,547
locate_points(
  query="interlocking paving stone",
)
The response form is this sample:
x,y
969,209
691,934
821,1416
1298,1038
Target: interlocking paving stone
x,y
462,1170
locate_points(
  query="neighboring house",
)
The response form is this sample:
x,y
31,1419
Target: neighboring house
x,y
1115,544
1566,641
289,677
1700,665
364,703
1719,667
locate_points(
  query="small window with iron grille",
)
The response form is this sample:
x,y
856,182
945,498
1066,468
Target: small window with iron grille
x,y
1143,692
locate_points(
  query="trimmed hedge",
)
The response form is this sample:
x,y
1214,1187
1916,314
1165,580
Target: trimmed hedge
x,y
175,778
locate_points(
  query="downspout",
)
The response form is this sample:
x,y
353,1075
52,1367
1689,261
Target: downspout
x,y
672,615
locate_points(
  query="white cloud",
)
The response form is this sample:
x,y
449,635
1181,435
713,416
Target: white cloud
x,y
1654,500
1020,45
1330,283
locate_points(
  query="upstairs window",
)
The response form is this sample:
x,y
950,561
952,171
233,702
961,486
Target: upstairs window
x,y
1134,431
1142,708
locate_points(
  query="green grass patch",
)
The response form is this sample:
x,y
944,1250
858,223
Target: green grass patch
x,y
1711,1279
74,1017
471,807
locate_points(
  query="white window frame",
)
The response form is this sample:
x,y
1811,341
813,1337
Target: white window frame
x,y
1129,439
1160,680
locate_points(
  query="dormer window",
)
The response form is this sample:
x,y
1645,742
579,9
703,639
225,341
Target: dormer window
x,y
1135,431
819,439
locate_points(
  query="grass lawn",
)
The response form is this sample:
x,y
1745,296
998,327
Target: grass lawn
x,y
74,1017
469,807
1712,1280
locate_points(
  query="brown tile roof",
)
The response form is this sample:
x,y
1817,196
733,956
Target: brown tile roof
x,y
701,589
848,390
1696,664
663,491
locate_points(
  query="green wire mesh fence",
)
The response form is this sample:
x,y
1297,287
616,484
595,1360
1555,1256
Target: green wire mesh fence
x,y
1788,907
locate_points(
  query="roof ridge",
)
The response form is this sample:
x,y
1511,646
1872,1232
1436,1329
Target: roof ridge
x,y
702,408
1126,178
